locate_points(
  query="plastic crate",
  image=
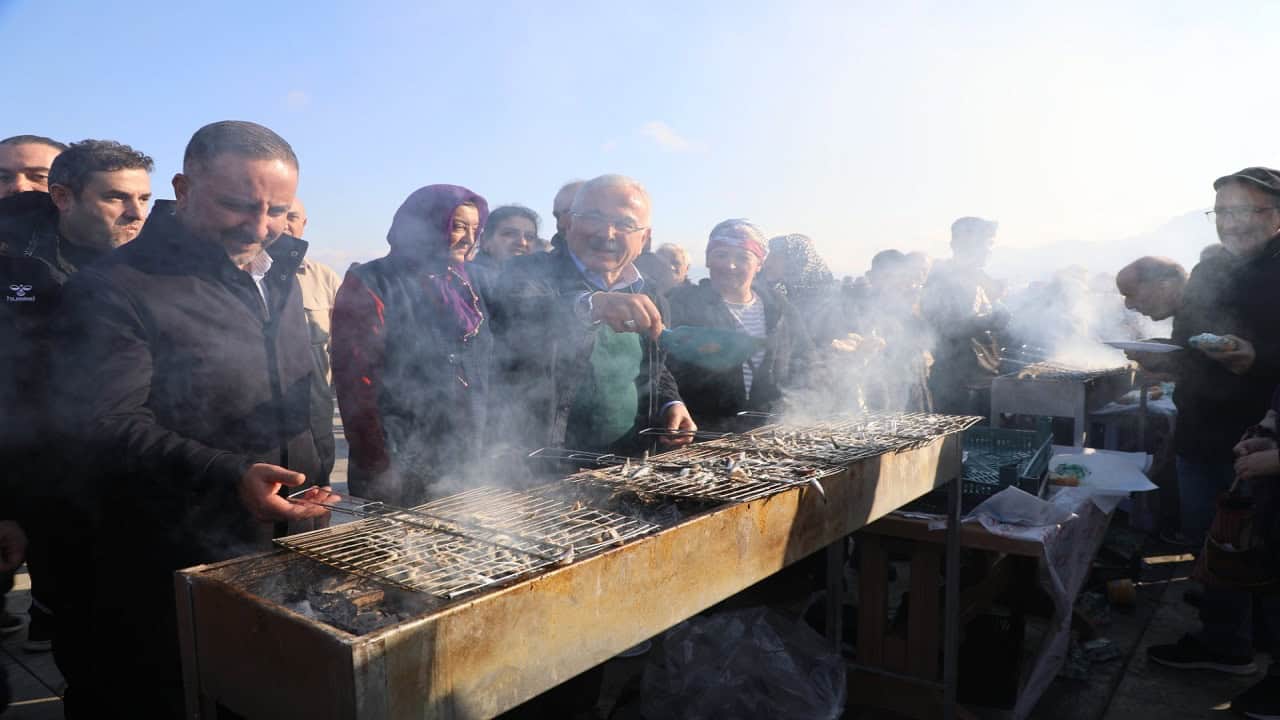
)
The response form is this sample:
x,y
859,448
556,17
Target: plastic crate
x,y
997,458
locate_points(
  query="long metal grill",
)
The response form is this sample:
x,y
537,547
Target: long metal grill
x,y
1059,372
705,472
459,544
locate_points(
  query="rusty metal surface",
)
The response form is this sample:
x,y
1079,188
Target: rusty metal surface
x,y
1058,395
479,657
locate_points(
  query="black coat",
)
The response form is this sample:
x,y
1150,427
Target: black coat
x,y
715,398
177,377
431,394
1226,296
35,263
543,350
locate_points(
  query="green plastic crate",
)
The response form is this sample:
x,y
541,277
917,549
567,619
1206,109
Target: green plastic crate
x,y
996,458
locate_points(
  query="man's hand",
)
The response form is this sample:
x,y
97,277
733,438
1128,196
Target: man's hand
x,y
678,419
1250,446
13,545
259,488
1239,360
1264,463
627,312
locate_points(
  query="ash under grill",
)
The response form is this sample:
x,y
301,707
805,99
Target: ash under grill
x,y
709,473
469,541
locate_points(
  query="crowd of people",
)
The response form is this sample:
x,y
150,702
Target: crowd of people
x,y
171,366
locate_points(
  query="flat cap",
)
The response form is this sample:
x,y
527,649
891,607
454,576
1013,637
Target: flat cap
x,y
1264,179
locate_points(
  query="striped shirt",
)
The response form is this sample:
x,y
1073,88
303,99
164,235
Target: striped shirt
x,y
750,317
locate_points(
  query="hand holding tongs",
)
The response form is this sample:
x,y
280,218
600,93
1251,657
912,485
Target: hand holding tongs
x,y
695,434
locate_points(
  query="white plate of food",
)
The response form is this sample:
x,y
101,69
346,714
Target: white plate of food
x,y
1143,346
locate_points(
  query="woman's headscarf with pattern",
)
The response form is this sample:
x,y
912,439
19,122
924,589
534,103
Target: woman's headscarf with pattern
x,y
801,263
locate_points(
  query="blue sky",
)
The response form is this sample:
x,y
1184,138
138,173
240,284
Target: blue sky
x,y
864,124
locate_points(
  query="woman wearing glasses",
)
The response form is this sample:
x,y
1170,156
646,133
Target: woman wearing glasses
x,y
731,299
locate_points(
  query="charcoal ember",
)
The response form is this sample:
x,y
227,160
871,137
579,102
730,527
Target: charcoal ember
x,y
356,614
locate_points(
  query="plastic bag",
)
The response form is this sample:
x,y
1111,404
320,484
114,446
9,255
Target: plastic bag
x,y
753,663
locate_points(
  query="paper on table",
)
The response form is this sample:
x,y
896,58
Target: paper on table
x,y
1112,475
1012,506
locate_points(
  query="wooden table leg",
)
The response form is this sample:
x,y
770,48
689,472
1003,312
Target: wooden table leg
x,y
951,639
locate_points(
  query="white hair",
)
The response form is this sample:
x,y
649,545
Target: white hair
x,y
611,182
677,252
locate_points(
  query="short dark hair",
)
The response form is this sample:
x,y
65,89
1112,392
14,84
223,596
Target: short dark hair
x,y
504,213
71,169
237,137
34,140
888,260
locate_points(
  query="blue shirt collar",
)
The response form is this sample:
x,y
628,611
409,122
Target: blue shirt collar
x,y
630,279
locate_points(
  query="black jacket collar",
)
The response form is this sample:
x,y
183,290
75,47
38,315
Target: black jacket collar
x,y
164,237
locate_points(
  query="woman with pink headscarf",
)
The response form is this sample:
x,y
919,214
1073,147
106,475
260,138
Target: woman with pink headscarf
x,y
412,352
732,299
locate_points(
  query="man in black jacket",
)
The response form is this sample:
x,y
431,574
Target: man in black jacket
x,y
1222,390
189,374
97,200
576,331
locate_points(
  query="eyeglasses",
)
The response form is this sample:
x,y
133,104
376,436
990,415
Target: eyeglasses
x,y
593,222
1240,214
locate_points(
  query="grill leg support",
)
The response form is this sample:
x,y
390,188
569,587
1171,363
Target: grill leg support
x,y
951,632
835,592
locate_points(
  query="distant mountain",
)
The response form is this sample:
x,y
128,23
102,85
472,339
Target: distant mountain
x,y
1181,238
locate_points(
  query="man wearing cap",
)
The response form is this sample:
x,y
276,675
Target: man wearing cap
x,y
1222,391
962,303
731,299
575,332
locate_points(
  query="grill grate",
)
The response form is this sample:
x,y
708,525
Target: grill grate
x,y
1058,372
439,562
703,472
455,545
843,441
539,519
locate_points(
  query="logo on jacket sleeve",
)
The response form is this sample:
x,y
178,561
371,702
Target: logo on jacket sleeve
x,y
20,292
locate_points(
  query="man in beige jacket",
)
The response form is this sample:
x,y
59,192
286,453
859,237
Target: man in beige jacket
x,y
319,288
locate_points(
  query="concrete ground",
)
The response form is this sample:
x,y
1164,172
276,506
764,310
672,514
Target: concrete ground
x,y
1120,689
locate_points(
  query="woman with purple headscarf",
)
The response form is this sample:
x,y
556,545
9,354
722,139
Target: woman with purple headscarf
x,y
412,352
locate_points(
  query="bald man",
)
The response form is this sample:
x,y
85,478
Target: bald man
x,y
319,285
25,161
1152,286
